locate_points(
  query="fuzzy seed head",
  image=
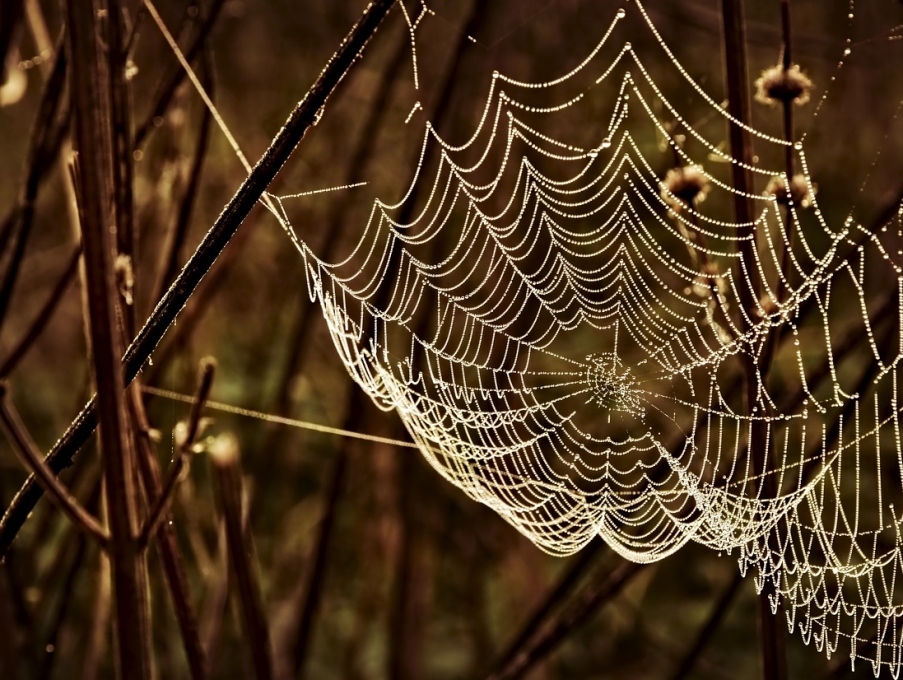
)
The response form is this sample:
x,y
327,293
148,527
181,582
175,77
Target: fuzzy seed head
x,y
777,85
687,185
799,194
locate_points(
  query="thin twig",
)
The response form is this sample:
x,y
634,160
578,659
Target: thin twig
x,y
313,591
170,259
168,89
100,620
216,596
28,452
11,664
299,122
40,139
225,457
183,455
43,317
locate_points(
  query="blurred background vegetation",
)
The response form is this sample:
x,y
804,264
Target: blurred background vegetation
x,y
372,567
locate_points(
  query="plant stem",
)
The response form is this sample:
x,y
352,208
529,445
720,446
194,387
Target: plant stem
x,y
299,122
89,47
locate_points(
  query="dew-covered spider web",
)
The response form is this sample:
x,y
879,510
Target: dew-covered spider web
x,y
576,340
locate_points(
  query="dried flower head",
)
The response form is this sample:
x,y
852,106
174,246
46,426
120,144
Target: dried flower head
x,y
799,194
687,185
777,85
125,277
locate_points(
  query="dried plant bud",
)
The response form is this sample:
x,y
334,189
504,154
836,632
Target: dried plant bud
x,y
777,85
224,450
686,185
800,194
125,277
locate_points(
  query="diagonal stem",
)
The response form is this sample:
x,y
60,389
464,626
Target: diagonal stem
x,y
28,451
174,473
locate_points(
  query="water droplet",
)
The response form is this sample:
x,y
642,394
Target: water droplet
x,y
621,13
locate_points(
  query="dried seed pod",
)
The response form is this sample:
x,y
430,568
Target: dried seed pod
x,y
687,185
779,85
800,194
768,307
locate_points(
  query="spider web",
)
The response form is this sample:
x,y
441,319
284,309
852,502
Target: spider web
x,y
563,335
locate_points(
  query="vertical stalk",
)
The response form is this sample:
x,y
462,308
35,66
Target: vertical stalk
x,y
772,634
224,455
89,53
787,106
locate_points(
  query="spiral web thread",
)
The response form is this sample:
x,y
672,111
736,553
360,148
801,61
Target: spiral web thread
x,y
561,333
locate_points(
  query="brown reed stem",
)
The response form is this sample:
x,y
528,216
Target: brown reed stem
x,y
224,455
167,543
90,45
299,122
65,585
100,620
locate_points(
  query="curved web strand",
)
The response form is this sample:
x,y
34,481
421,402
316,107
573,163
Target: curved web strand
x,y
563,338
